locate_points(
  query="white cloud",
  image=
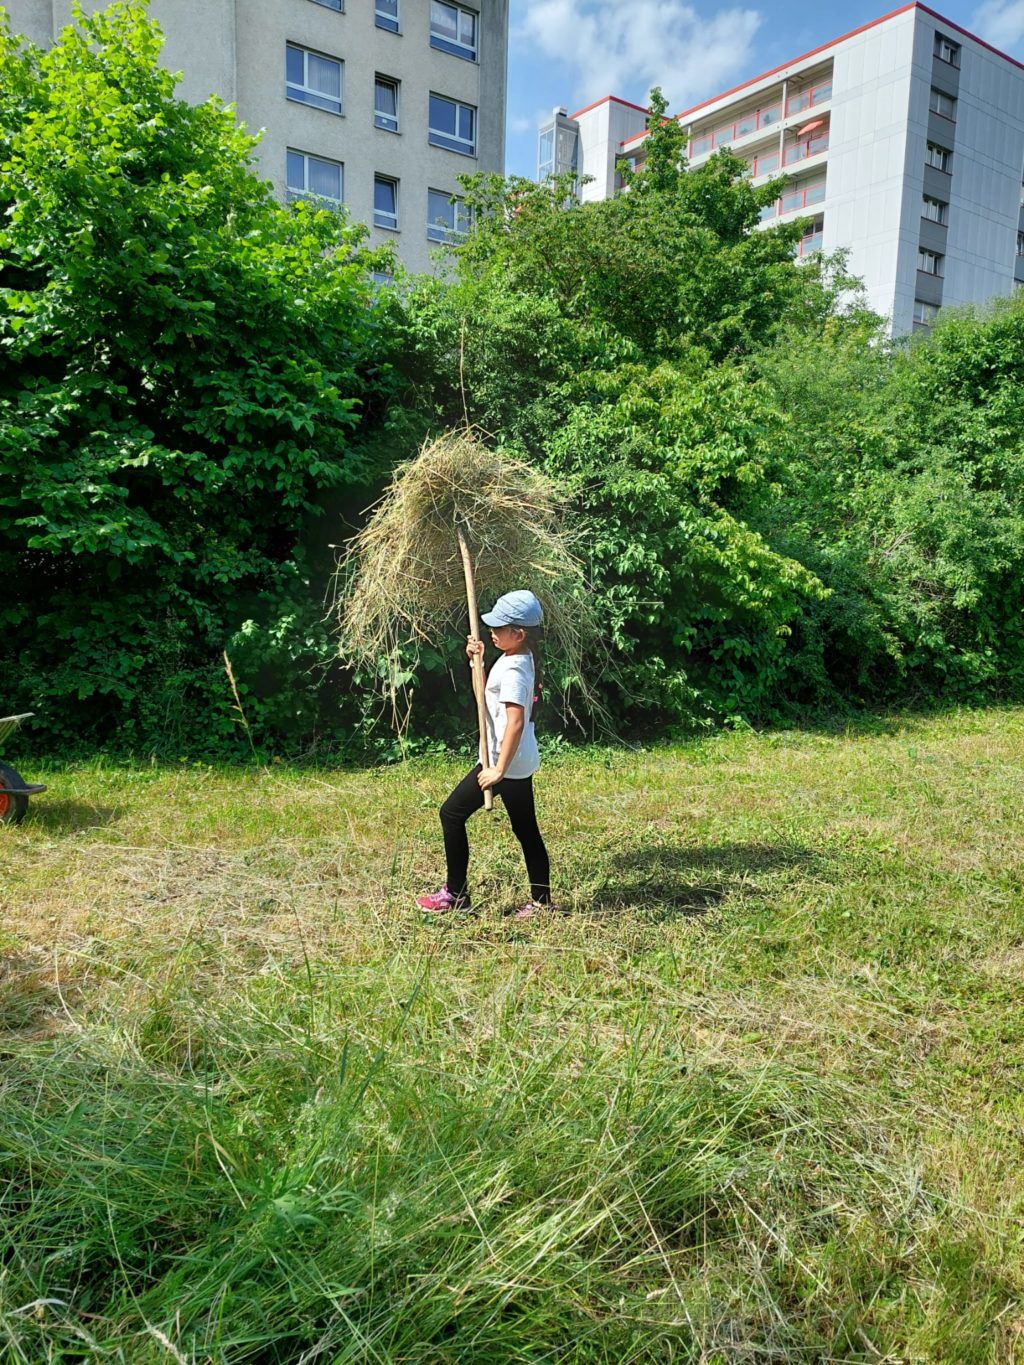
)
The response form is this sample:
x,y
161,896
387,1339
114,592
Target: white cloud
x,y
999,22
619,48
527,123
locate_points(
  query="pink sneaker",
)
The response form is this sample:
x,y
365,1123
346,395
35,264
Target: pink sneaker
x,y
441,902
531,909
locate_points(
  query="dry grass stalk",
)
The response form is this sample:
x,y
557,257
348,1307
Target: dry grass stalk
x,y
400,582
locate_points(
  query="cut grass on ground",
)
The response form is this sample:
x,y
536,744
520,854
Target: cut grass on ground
x,y
757,1096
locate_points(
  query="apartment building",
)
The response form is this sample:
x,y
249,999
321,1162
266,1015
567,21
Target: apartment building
x,y
902,142
376,104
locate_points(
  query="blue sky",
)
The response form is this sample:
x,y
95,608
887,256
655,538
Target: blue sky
x,y
573,52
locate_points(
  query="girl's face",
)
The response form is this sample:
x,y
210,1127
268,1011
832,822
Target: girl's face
x,y
507,637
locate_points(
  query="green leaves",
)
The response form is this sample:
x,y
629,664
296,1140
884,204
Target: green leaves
x,y
184,359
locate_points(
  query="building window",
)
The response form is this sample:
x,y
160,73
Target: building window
x,y
546,154
452,125
447,216
386,15
929,262
1020,243
946,50
812,239
312,177
940,103
338,5
385,202
924,313
313,79
385,104
939,157
935,210
453,29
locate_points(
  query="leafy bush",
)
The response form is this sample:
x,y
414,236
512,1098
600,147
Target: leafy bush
x,y
903,492
184,365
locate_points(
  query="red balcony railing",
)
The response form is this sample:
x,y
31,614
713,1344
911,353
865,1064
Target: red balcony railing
x,y
764,165
727,133
809,245
800,197
807,147
809,99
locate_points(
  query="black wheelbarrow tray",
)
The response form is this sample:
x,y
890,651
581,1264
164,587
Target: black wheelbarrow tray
x,y
14,792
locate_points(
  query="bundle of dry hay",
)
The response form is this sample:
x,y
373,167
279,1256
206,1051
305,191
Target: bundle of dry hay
x,y
401,578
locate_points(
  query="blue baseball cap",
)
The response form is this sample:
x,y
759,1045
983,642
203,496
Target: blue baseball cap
x,y
520,608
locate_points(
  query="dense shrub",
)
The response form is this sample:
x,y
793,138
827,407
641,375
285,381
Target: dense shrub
x,y
783,508
184,364
904,477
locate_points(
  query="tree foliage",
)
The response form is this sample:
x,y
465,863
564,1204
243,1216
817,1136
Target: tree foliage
x,y
785,509
904,491
605,340
184,362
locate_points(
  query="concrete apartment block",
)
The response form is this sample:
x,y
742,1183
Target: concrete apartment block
x,y
901,142
396,179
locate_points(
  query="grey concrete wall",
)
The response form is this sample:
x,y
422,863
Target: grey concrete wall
x,y
32,18
236,49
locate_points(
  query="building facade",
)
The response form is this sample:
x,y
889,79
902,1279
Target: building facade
x,y
901,142
377,104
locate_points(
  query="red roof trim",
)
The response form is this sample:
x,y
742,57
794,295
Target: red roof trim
x,y
835,43
615,100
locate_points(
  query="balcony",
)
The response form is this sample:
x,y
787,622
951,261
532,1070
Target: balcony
x,y
796,200
809,99
812,240
813,144
768,164
756,121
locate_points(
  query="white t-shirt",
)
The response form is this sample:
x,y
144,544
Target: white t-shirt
x,y
512,680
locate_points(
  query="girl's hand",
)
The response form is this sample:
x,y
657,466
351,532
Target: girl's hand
x,y
474,647
489,777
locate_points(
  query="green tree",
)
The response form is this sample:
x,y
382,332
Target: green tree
x,y
602,340
903,490
184,362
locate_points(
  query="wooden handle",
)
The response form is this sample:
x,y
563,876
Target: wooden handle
x,y
477,661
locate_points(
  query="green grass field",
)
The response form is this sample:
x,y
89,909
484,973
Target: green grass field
x,y
757,1097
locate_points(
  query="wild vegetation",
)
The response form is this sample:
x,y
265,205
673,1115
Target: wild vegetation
x,y
757,1098
201,388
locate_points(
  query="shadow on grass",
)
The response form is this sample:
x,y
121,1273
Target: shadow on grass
x,y
68,817
678,882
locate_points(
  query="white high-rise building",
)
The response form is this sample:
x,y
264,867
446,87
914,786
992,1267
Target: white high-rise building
x,y
902,142
377,104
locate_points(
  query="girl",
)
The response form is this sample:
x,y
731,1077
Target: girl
x,y
508,768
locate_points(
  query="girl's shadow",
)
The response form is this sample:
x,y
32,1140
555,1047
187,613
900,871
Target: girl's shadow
x,y
669,882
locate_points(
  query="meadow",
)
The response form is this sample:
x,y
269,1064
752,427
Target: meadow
x,y
755,1096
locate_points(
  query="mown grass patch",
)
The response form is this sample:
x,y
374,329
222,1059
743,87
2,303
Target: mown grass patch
x,y
756,1097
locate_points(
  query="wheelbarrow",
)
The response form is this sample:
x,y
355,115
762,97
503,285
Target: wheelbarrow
x,y
14,792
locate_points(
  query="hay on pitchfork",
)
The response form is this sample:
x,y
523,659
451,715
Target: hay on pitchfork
x,y
401,578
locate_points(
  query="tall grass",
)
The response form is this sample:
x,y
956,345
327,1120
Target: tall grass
x,y
263,1181
753,1102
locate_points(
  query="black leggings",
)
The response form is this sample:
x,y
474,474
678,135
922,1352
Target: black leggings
x,y
466,800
